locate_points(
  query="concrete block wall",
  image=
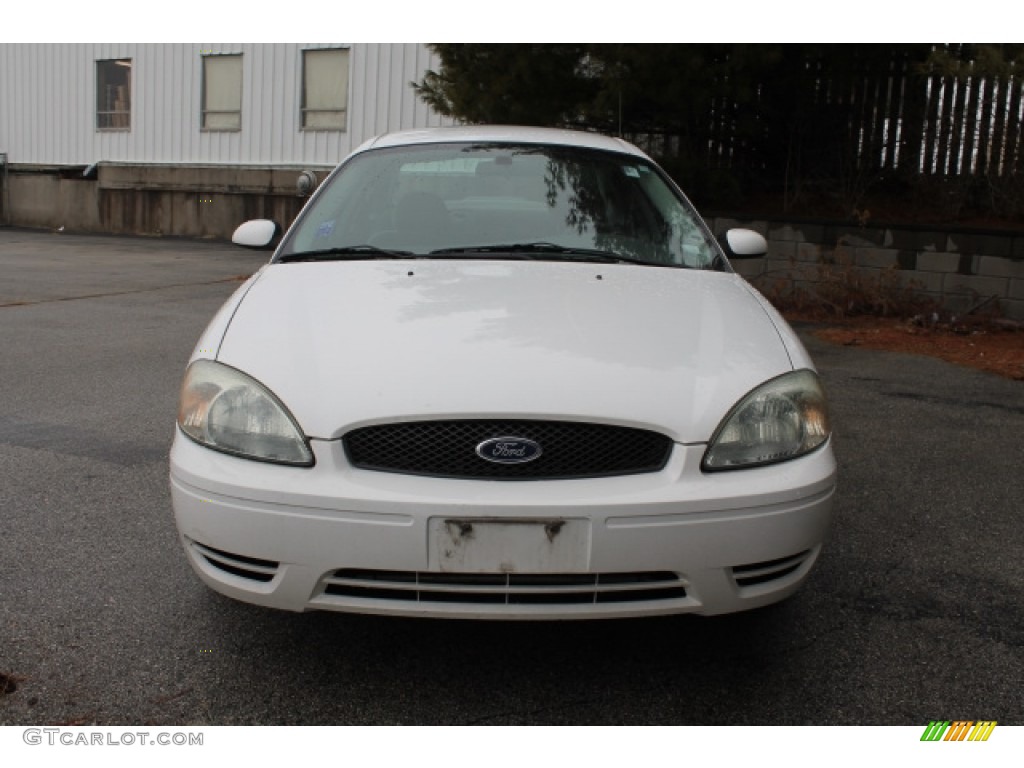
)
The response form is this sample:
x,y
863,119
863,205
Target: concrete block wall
x,y
958,268
180,200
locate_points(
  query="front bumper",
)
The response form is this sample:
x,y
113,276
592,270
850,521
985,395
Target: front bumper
x,y
337,538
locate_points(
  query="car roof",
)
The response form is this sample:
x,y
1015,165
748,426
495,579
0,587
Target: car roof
x,y
505,134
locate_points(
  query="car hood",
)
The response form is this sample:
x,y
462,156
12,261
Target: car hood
x,y
344,344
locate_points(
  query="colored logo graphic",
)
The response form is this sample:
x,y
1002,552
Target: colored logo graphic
x,y
958,730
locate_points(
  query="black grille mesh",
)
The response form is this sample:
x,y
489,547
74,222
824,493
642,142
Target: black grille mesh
x,y
448,449
506,588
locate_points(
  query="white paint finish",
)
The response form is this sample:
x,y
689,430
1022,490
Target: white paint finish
x,y
208,344
746,242
344,344
48,103
666,349
329,516
256,233
506,133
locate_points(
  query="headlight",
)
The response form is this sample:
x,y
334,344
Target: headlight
x,y
226,410
781,419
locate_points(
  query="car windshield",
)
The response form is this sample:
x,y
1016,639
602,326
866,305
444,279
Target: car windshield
x,y
500,201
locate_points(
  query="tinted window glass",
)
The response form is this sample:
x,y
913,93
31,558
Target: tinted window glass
x,y
431,197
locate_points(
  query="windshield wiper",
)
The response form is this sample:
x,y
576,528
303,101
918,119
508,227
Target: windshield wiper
x,y
346,252
541,249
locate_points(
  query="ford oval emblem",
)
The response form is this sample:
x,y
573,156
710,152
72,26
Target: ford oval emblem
x,y
508,450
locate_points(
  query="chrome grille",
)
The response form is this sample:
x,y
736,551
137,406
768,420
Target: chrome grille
x,y
448,449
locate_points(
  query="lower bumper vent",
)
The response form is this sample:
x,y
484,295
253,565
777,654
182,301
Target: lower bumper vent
x,y
760,573
237,565
505,588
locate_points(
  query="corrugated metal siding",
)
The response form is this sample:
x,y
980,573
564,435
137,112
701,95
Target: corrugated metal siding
x,y
48,103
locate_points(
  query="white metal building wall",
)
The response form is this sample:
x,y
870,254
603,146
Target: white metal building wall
x,y
48,103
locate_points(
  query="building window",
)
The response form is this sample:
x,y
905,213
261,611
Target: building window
x,y
222,92
114,95
324,89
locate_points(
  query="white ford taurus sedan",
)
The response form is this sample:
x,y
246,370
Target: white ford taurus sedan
x,y
501,373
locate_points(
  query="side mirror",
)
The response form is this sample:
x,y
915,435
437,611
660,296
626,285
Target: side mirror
x,y
257,233
743,244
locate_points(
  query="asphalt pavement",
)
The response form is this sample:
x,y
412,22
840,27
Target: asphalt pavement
x,y
914,613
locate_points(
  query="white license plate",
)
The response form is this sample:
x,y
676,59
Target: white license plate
x,y
509,546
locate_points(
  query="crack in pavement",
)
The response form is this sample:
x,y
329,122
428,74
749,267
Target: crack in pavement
x,y
234,279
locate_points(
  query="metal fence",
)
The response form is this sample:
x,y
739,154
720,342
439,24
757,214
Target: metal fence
x,y
879,113
936,125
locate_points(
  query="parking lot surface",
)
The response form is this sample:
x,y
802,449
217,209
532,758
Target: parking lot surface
x,y
914,613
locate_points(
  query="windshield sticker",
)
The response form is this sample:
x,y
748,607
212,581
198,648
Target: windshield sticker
x,y
630,171
325,229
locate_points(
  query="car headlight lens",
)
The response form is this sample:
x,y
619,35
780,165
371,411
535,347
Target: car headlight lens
x,y
779,420
226,410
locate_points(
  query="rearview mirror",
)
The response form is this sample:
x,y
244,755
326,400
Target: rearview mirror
x,y
743,244
257,233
